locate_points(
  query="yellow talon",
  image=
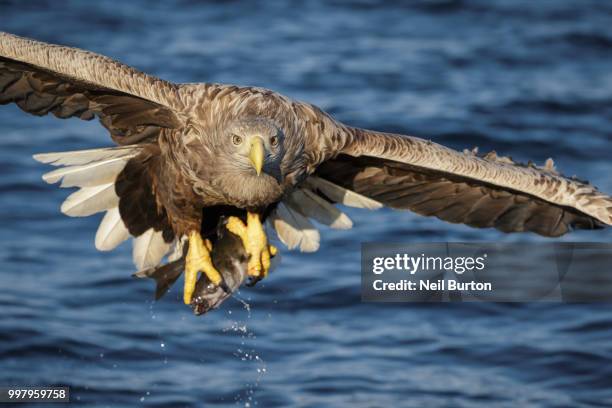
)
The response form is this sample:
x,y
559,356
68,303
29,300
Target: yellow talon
x,y
208,244
198,260
255,242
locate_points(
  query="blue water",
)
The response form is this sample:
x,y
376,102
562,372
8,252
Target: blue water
x,y
529,79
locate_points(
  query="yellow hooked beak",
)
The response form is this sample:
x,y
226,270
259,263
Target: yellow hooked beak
x,y
256,154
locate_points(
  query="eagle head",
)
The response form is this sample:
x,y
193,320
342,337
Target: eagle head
x,y
248,162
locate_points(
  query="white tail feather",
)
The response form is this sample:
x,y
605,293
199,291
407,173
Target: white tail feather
x,y
95,171
313,206
90,200
178,249
80,157
294,230
92,174
149,249
342,195
111,231
87,168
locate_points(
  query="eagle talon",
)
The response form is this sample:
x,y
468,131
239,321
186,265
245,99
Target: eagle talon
x,y
253,280
256,244
199,260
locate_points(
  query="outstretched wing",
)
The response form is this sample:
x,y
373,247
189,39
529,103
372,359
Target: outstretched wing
x,y
68,82
461,187
43,78
370,169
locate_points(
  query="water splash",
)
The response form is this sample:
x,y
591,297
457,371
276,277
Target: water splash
x,y
247,353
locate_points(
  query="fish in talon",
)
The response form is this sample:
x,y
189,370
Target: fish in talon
x,y
231,260
255,241
199,260
228,257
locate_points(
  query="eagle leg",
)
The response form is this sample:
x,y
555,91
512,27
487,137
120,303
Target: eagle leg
x,y
199,260
255,242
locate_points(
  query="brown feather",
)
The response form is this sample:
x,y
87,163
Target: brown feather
x,y
451,198
39,91
138,204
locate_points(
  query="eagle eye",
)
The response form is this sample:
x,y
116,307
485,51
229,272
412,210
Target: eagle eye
x,y
274,141
237,140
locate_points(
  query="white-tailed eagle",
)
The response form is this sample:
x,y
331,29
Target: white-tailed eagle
x,y
190,153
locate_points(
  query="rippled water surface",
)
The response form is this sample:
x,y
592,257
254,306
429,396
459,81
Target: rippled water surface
x,y
528,79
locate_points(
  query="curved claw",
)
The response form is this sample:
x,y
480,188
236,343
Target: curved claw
x,y
254,279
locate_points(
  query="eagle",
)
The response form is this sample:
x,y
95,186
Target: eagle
x,y
187,154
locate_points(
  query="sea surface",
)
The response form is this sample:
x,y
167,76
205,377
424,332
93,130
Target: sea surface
x,y
530,79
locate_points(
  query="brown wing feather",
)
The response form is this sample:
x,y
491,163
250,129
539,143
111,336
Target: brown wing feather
x,y
42,78
482,191
500,173
452,198
138,204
